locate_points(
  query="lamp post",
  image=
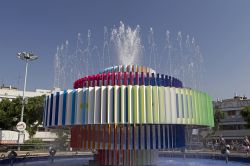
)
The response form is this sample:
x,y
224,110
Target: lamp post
x,y
26,57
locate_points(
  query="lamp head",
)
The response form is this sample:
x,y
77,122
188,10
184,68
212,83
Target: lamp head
x,y
27,56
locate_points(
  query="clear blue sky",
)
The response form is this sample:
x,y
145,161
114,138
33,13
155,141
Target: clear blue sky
x,y
222,29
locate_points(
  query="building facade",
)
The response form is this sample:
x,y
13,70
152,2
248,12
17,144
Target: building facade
x,y
10,92
232,126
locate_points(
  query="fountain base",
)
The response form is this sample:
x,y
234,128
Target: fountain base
x,y
125,157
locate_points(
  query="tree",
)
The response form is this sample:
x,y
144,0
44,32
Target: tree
x,y
245,113
33,113
10,112
218,115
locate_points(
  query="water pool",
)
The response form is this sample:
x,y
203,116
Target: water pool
x,y
163,161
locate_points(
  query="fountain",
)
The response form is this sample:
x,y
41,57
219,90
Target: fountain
x,y
128,112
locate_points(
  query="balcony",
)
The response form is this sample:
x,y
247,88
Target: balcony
x,y
236,120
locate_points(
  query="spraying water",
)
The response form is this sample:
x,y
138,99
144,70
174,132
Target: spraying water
x,y
126,43
180,55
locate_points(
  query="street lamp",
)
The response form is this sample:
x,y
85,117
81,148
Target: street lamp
x,y
26,57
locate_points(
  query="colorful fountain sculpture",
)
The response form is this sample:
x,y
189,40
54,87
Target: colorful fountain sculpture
x,y
127,114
